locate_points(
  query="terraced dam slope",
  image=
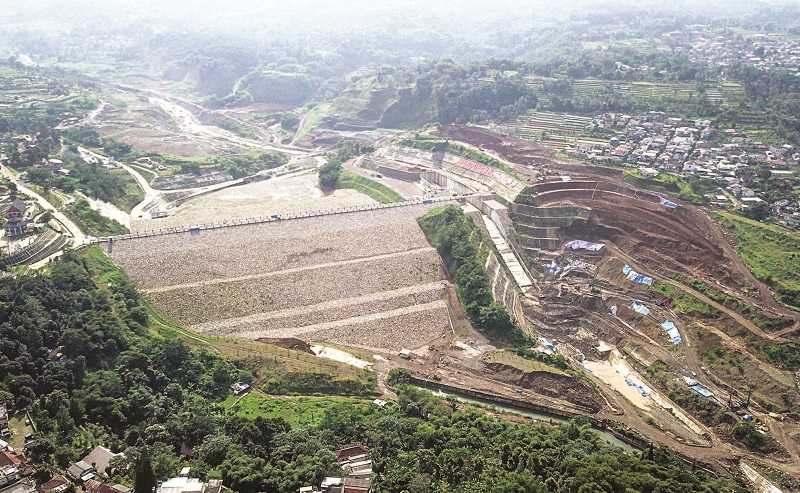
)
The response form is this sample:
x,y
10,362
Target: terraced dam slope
x,y
367,279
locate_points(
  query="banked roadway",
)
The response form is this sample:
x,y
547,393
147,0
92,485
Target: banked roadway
x,y
196,228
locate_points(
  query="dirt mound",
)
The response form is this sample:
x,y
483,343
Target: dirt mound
x,y
590,170
513,149
288,343
552,385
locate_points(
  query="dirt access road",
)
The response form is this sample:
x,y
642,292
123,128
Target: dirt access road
x,y
78,237
741,320
176,108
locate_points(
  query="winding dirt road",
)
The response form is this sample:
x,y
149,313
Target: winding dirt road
x,y
78,238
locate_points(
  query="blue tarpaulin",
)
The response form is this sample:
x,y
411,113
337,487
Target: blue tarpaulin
x,y
546,343
639,387
702,391
584,245
668,203
672,331
637,306
634,276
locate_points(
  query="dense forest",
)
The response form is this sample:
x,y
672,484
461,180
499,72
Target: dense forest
x,y
458,242
77,349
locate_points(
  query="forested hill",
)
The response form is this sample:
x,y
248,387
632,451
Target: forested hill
x,y
78,350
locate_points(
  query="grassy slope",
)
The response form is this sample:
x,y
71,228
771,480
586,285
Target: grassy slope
x,y
523,364
771,252
298,411
683,302
375,190
312,119
667,183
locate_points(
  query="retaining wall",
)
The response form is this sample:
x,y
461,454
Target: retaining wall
x,y
538,232
593,194
561,185
504,290
544,222
539,243
555,211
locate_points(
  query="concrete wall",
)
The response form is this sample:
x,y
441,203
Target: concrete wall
x,y
583,194
556,211
505,291
539,243
561,185
404,174
544,222
436,178
537,232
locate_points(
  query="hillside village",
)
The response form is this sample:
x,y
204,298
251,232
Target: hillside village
x,y
726,47
740,172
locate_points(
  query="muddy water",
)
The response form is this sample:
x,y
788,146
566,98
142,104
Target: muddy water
x,y
110,211
539,416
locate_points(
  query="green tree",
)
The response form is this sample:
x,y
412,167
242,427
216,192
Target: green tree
x,y
144,480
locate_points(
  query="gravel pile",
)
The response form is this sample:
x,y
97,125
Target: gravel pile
x,y
283,290
327,311
234,252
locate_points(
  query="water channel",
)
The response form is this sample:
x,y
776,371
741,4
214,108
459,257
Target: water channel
x,y
539,416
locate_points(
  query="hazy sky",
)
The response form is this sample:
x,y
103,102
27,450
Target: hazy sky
x,y
341,15
209,9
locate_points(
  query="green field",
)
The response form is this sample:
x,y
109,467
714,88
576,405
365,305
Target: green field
x,y
523,364
237,165
684,303
297,411
691,190
771,252
557,130
376,191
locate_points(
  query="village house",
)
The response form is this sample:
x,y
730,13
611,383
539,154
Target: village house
x,y
81,471
15,218
55,485
357,466
99,458
95,486
8,475
4,431
184,484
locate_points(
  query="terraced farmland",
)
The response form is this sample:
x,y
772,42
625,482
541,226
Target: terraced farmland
x,y
723,92
558,130
366,279
32,93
